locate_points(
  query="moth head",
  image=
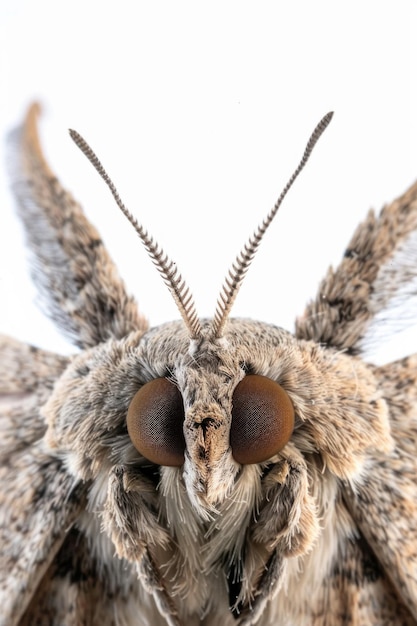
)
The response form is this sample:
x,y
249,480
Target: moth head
x,y
214,421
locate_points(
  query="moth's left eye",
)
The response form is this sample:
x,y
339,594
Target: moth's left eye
x,y
262,419
155,423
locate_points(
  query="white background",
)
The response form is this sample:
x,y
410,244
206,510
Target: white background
x,y
200,111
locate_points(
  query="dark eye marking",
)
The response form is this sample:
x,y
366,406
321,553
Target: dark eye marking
x,y
262,419
155,422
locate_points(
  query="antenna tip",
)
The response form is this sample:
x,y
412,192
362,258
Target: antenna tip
x,y
327,118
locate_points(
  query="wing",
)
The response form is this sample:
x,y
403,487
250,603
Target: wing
x,y
374,289
76,278
384,504
372,293
38,499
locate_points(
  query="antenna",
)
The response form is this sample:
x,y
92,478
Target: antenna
x,y
164,265
239,268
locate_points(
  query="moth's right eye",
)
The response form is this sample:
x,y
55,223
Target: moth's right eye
x,y
155,423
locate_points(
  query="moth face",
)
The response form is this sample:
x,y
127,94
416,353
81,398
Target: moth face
x,y
210,415
262,421
210,409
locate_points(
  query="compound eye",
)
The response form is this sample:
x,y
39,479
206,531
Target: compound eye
x,y
155,423
262,419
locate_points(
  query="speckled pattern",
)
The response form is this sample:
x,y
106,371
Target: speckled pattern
x,y
323,533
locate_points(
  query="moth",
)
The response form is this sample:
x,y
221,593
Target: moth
x,y
206,471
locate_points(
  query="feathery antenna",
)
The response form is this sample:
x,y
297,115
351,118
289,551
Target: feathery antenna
x,y
164,265
239,268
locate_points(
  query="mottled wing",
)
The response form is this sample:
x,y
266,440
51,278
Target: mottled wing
x,y
38,499
50,575
76,278
384,504
373,291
